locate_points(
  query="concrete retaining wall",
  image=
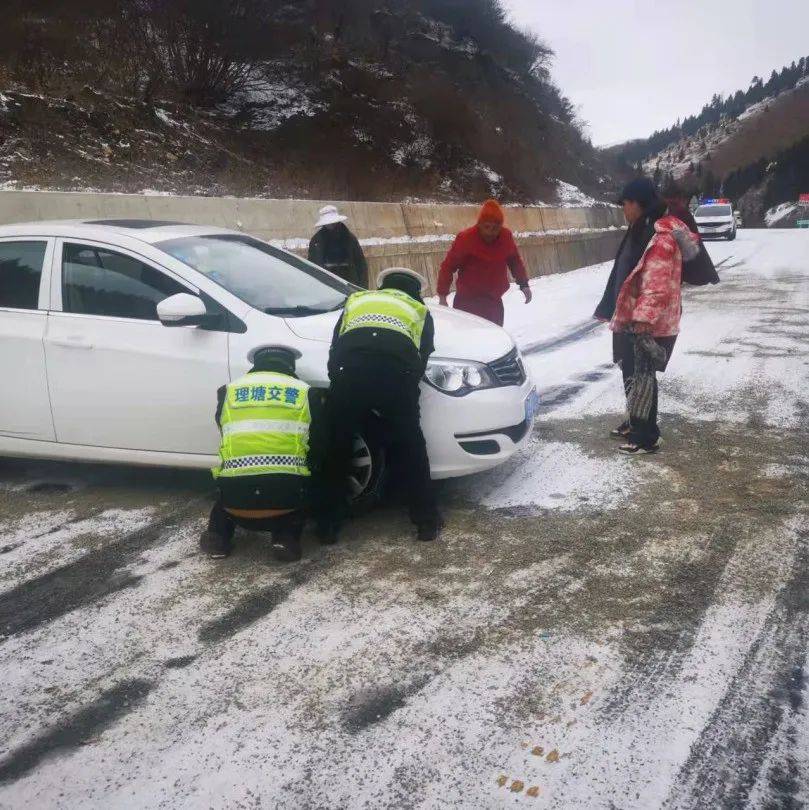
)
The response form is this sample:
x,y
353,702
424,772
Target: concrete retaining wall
x,y
552,240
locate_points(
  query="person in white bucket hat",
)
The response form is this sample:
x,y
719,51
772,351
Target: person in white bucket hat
x,y
336,249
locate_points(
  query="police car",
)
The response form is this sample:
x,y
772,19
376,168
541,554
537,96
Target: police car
x,y
116,334
715,219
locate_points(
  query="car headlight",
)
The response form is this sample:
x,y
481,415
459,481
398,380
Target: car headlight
x,y
458,377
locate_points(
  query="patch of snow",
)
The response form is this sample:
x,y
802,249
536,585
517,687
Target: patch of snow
x,y
755,109
415,152
801,467
301,243
570,196
165,117
361,136
270,100
490,174
375,68
49,539
559,476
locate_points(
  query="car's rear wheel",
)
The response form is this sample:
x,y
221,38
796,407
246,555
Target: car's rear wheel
x,y
369,472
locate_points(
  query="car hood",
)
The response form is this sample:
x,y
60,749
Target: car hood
x,y
458,335
714,220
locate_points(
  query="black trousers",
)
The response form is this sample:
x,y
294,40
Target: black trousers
x,y
643,432
283,528
392,394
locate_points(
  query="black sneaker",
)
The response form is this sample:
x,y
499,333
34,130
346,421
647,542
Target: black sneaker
x,y
622,431
640,449
215,545
427,532
286,550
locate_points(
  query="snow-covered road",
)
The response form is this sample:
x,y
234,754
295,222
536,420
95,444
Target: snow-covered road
x,y
592,631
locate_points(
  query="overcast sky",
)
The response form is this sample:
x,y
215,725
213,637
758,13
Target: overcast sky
x,y
632,67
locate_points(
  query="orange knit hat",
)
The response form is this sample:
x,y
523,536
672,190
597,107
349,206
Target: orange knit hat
x,y
491,212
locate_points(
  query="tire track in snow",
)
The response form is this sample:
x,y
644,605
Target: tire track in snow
x,y
88,579
573,335
255,606
76,729
552,398
724,763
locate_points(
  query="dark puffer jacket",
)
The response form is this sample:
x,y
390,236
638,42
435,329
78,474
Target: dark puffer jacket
x,y
339,251
699,271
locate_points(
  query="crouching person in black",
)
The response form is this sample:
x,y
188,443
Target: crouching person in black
x,y
377,360
267,419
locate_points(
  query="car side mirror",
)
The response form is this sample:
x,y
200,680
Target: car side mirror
x,y
182,309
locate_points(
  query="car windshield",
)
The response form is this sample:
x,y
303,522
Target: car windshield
x,y
713,211
261,275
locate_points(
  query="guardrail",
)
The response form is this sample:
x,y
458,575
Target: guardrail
x,y
551,240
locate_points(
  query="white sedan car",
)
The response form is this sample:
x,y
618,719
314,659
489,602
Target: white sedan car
x,y
116,334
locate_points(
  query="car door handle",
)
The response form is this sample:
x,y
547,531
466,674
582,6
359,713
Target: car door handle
x,y
72,343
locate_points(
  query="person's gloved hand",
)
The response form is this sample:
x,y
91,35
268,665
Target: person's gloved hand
x,y
526,291
442,299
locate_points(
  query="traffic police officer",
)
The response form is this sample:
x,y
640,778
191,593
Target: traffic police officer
x,y
377,360
264,476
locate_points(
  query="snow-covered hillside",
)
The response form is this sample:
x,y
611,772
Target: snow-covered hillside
x,y
762,128
332,101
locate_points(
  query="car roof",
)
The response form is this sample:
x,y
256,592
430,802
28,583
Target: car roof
x,y
144,230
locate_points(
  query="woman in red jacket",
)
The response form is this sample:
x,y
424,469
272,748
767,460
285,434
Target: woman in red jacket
x,y
482,256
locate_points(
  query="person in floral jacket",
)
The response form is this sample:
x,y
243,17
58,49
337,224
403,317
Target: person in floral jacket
x,y
647,305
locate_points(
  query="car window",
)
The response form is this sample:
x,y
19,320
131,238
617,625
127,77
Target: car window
x,y
20,273
96,281
261,275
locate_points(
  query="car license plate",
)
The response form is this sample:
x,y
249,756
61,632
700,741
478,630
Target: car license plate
x,y
531,405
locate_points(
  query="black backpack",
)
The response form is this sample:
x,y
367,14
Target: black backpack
x,y
700,270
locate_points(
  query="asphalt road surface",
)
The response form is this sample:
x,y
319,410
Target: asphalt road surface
x,y
591,631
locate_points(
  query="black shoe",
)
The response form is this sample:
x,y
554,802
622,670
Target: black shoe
x,y
215,545
429,531
640,449
622,431
327,533
286,550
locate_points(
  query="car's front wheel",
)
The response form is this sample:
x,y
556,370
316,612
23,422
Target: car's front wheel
x,y
369,471
732,235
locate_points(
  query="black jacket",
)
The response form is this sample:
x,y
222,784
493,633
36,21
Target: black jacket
x,y
339,251
279,490
700,270
355,347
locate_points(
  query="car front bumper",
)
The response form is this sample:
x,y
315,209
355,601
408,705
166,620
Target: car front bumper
x,y
722,231
476,432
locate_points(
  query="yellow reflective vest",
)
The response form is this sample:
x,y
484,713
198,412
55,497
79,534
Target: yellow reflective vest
x,y
385,309
265,423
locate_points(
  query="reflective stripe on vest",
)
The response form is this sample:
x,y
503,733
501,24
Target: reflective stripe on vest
x,y
265,426
385,309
